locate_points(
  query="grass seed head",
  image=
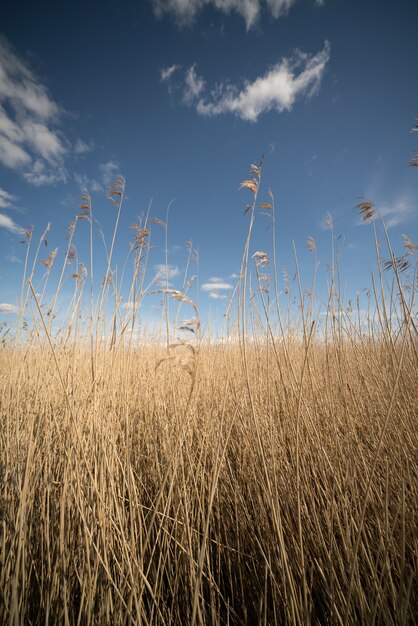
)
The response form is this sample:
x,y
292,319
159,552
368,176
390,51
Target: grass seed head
x,y
366,208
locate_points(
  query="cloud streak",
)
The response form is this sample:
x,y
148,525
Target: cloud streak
x,y
401,211
213,286
5,307
7,223
292,78
6,199
81,147
186,11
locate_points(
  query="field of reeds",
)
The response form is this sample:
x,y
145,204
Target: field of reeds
x,y
267,475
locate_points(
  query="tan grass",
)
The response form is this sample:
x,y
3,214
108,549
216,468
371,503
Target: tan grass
x,y
270,479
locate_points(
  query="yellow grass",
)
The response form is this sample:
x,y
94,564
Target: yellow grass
x,y
266,480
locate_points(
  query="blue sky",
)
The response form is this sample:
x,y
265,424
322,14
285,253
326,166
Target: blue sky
x,y
181,96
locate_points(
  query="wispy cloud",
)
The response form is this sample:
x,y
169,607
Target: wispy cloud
x,y
401,211
30,141
81,147
109,171
185,11
212,286
5,307
162,271
40,174
292,78
6,199
215,285
91,184
279,7
167,72
7,223
215,279
194,85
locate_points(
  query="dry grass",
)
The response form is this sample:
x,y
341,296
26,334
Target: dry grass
x,y
267,480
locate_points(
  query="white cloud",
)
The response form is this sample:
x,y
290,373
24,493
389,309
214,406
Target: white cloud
x,y
81,147
401,211
91,184
82,180
44,141
109,171
7,223
185,11
215,279
12,155
30,140
278,89
213,286
161,271
8,127
8,308
167,72
19,86
95,186
194,85
279,7
6,199
40,174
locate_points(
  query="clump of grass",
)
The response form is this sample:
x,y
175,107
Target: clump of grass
x,y
269,478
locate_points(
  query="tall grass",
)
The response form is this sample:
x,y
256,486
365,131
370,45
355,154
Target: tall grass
x,y
266,478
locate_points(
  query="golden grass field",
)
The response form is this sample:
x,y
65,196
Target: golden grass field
x,y
269,477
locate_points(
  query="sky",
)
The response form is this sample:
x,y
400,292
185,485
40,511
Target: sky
x,y
181,97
